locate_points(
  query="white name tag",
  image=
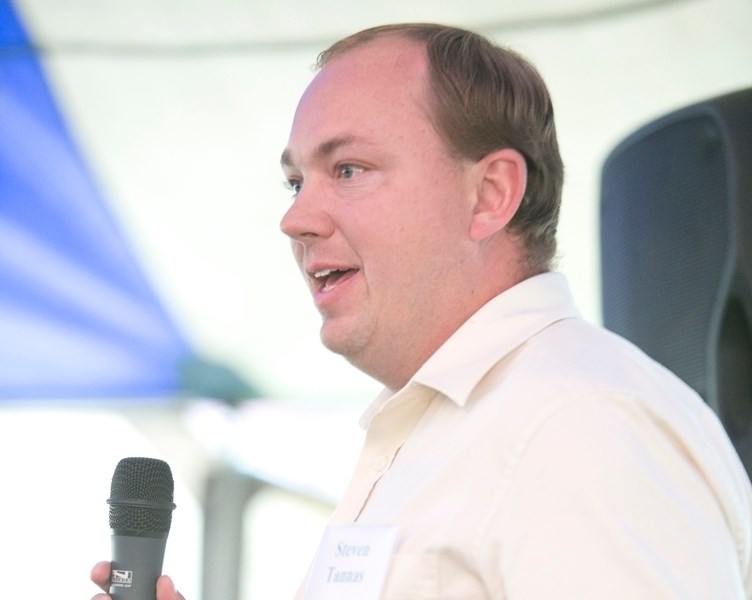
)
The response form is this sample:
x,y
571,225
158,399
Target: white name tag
x,y
352,562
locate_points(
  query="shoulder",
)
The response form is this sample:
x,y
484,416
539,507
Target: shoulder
x,y
602,492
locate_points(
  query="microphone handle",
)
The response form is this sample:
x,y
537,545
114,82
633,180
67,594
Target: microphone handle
x,y
136,565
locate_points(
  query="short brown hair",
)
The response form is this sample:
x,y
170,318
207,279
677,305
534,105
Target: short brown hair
x,y
485,97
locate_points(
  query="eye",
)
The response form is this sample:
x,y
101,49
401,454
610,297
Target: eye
x,y
293,185
348,171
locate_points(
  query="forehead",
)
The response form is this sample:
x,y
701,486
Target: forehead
x,y
372,91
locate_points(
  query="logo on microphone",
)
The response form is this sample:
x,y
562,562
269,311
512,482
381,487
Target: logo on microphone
x,y
122,578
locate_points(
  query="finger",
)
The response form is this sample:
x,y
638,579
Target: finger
x,y
101,597
100,574
166,589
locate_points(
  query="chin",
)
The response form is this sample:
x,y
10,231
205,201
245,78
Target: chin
x,y
345,342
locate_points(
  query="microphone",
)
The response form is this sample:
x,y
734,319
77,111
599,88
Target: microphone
x,y
140,517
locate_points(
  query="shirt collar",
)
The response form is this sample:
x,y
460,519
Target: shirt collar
x,y
495,330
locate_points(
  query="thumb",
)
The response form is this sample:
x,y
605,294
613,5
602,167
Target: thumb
x,y
166,589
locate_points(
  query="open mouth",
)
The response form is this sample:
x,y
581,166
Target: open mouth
x,y
328,279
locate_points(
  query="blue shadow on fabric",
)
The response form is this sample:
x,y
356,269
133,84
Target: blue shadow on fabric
x,y
78,317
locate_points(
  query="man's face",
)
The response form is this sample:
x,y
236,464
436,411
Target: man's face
x,y
381,210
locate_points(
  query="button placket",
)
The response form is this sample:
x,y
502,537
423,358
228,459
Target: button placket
x,y
380,463
387,432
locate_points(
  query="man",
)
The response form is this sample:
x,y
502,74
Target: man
x,y
520,452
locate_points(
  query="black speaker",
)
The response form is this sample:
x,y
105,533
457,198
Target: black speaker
x,y
676,251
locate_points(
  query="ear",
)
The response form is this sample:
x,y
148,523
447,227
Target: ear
x,y
500,187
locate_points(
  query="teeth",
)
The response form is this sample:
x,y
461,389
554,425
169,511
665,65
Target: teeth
x,y
324,273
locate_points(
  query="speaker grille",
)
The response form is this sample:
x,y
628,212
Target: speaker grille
x,y
664,239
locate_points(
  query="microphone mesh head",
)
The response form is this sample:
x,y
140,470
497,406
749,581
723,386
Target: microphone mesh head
x,y
141,495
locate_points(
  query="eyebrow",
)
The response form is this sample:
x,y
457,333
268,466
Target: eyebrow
x,y
322,150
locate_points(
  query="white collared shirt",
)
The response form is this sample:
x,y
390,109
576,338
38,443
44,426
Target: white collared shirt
x,y
537,457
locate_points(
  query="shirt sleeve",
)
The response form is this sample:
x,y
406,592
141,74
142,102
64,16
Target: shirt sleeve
x,y
605,502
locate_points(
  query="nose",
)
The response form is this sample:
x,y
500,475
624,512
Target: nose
x,y
308,217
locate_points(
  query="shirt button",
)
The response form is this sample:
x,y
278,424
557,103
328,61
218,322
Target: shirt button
x,y
380,462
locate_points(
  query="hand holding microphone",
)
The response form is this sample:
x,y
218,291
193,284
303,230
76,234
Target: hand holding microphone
x,y
141,508
100,575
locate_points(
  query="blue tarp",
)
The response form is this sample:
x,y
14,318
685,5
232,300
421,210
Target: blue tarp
x,y
78,317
